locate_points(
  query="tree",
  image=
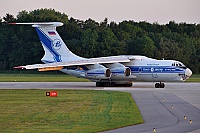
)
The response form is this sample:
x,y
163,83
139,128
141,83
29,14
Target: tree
x,y
89,43
173,26
142,45
179,41
90,24
42,15
104,23
7,39
9,18
169,49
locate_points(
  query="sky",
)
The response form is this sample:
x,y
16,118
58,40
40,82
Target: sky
x,y
159,11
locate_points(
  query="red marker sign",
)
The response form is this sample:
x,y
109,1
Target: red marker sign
x,y
52,93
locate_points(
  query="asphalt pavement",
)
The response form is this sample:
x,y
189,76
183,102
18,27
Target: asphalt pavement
x,y
175,108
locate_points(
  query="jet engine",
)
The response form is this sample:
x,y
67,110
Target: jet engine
x,y
119,70
99,73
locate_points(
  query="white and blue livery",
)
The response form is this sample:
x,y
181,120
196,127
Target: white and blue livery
x,y
119,70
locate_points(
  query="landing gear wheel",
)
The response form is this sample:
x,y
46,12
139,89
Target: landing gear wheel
x,y
113,84
160,85
99,84
105,84
157,85
124,85
129,84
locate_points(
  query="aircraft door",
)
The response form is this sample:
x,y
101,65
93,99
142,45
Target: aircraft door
x,y
140,69
154,73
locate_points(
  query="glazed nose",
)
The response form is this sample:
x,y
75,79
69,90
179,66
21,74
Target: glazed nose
x,y
188,73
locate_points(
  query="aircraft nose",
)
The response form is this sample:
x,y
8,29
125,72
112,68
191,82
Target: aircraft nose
x,y
188,73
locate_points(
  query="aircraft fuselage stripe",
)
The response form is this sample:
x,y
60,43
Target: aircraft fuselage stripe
x,y
157,69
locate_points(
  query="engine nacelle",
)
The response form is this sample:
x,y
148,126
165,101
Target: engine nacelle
x,y
120,72
99,73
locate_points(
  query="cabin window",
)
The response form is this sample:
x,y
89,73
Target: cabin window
x,y
179,64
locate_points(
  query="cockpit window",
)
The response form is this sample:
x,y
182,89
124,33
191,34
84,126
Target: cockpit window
x,y
179,64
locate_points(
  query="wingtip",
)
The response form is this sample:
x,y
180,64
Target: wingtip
x,y
19,67
12,23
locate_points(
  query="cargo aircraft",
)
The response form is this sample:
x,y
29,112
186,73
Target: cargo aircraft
x,y
109,71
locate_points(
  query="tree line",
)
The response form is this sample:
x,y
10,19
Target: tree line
x,y
20,45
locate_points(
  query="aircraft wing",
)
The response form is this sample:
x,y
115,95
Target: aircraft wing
x,y
91,61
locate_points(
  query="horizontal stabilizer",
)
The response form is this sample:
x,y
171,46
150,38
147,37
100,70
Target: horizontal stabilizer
x,y
40,24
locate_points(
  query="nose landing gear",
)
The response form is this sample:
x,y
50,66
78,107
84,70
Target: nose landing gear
x,y
160,85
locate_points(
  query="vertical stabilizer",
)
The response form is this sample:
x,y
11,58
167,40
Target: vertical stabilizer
x,y
54,47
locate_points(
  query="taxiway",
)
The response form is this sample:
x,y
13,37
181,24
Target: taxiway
x,y
175,108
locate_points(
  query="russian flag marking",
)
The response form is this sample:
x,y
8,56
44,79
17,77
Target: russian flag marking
x,y
51,33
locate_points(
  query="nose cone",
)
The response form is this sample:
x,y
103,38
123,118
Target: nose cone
x,y
188,73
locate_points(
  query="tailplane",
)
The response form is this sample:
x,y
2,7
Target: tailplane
x,y
53,45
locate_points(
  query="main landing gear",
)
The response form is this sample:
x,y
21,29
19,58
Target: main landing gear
x,y
160,85
112,84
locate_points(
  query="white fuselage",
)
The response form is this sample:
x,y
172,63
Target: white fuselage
x,y
144,69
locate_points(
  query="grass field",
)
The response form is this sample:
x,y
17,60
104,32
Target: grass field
x,y
17,77
72,111
40,78
194,78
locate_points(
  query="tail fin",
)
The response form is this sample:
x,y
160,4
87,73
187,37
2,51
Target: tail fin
x,y
54,47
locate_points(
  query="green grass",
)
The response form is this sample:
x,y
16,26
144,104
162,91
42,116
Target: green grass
x,y
72,111
194,78
40,78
